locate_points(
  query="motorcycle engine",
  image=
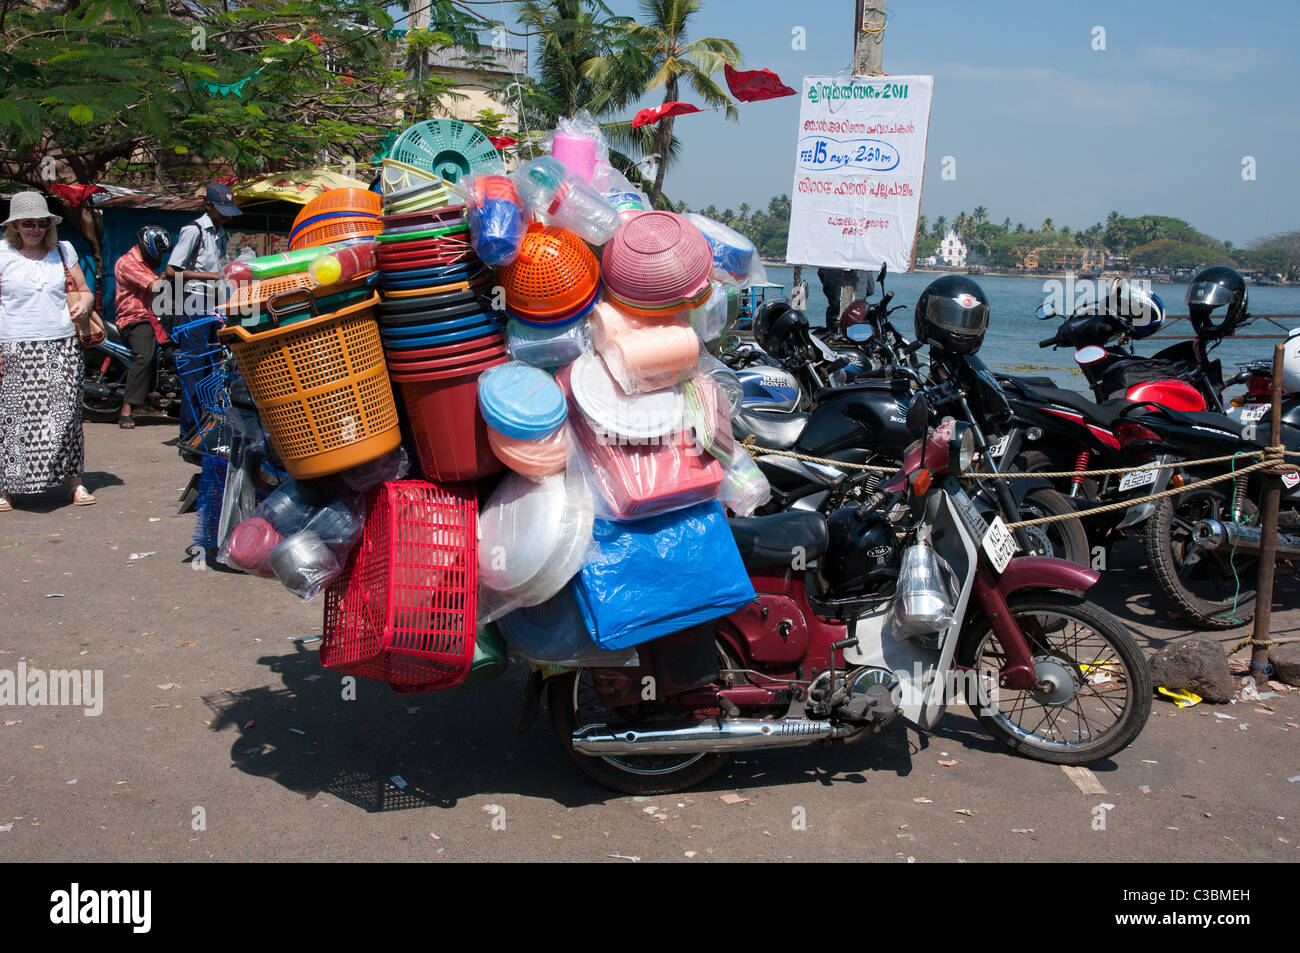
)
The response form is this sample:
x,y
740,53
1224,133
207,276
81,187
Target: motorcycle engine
x,y
865,697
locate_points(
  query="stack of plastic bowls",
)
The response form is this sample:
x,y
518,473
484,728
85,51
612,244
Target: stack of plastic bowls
x,y
525,412
554,282
439,333
656,265
334,216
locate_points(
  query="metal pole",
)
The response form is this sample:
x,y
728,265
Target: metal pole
x,y
1268,533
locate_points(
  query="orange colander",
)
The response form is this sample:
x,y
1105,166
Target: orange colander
x,y
554,277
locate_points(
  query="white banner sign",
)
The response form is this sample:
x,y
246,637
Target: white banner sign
x,y
859,161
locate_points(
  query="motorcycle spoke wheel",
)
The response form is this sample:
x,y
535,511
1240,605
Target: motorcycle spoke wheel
x,y
1094,695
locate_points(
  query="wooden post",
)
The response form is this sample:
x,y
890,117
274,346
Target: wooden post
x,y
1268,533
869,38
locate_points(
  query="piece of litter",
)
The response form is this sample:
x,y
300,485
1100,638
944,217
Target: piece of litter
x,y
311,638
297,731
649,810
1243,726
1149,761
54,595
143,555
5,827
1264,695
691,853
1265,711
249,724
634,860
1171,828
1083,779
10,724
1144,788
1108,807
639,799
434,836
661,817
965,810
949,764
921,800
733,799
1219,714
1292,724
167,687
155,519
397,779
1022,830
1183,699
1295,779
73,781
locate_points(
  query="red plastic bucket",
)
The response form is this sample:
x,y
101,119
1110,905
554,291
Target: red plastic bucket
x,y
400,367
449,432
445,350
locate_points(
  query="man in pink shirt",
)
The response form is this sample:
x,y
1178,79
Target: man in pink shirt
x,y
136,274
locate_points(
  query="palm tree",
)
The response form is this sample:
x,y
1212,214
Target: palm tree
x,y
1006,225
744,211
980,215
659,42
1048,226
940,227
922,226
1020,228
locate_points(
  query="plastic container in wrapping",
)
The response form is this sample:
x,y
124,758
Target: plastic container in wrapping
x,y
534,536
614,413
576,151
709,320
659,575
555,633
923,602
643,355
732,251
566,199
250,544
497,218
709,418
525,412
542,347
531,458
725,378
636,480
744,488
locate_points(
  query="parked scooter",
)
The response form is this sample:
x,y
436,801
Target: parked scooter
x,y
915,602
103,388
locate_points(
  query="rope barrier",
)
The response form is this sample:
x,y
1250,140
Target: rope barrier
x,y
1271,458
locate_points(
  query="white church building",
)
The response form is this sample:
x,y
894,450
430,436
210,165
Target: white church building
x,y
952,250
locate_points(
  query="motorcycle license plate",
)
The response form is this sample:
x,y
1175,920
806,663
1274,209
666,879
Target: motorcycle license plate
x,y
999,448
1253,413
1136,478
998,544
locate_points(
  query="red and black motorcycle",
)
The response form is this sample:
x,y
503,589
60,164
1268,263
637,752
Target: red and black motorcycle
x,y
901,605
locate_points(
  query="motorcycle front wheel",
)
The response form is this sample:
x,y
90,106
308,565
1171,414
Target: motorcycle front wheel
x,y
1212,589
1066,538
1094,691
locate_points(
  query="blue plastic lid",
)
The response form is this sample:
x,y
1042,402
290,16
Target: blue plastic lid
x,y
521,401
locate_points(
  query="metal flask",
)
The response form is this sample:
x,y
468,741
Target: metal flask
x,y
922,603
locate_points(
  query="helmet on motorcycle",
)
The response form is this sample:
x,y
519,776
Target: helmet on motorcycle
x,y
1214,288
1291,363
779,329
952,315
1140,308
862,555
155,242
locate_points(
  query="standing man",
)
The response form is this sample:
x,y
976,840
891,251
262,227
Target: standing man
x,y
196,261
137,282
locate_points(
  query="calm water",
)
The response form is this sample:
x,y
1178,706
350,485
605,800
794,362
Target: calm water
x,y
1014,332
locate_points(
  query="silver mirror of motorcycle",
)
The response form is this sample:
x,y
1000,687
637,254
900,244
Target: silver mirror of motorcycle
x,y
1044,312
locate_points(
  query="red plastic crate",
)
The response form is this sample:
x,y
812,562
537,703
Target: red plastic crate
x,y
404,611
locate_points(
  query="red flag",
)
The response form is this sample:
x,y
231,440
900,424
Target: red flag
x,y
502,142
752,85
647,117
74,195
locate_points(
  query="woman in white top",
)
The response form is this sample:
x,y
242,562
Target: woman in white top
x,y
43,302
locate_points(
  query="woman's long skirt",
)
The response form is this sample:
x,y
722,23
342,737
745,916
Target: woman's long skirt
x,y
41,441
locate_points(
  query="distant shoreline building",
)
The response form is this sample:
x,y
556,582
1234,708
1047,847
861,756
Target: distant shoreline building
x,y
952,250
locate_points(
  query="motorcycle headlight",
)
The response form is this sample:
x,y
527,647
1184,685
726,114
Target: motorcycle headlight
x,y
961,448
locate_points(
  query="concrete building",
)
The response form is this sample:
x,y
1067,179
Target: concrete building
x,y
953,250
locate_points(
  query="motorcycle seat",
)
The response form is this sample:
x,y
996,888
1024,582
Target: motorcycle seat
x,y
1102,414
769,542
1207,419
769,429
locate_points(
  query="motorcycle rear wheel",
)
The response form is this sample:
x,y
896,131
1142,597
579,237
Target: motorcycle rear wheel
x,y
1066,537
102,410
572,701
1107,703
1210,590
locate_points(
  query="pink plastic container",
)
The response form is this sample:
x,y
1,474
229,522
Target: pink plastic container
x,y
578,153
450,435
250,545
657,263
643,354
636,481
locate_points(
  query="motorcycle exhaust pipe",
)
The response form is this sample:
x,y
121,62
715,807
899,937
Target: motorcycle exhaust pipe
x,y
1215,534
725,734
97,390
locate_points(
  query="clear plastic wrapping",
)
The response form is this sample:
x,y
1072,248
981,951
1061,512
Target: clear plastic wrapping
x,y
641,354
744,488
566,199
497,218
926,594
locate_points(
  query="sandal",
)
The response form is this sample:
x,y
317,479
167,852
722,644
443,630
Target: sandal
x,y
81,497
126,422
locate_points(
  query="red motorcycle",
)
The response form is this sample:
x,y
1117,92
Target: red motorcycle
x,y
915,603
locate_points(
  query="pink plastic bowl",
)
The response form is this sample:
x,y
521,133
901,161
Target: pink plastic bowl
x,y
658,260
532,458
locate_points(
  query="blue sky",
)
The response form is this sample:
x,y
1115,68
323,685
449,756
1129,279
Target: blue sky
x,y
1039,123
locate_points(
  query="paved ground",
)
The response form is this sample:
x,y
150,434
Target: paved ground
x,y
222,738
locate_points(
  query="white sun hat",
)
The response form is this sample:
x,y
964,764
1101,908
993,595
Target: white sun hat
x,y
27,205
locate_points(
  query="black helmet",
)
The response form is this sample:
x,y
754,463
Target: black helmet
x,y
779,329
952,315
154,241
862,555
1210,289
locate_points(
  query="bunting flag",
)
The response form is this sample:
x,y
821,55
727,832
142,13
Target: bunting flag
x,y
502,142
648,117
74,195
750,86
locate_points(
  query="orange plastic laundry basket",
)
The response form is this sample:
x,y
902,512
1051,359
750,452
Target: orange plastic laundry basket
x,y
321,388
